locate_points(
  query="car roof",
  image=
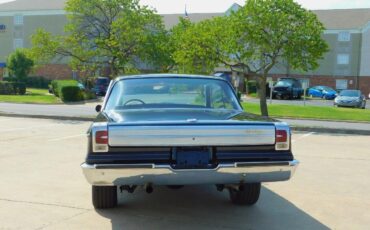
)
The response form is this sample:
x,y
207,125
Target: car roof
x,y
143,76
322,86
287,78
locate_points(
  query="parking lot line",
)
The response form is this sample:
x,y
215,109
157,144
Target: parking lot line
x,y
67,137
27,128
303,136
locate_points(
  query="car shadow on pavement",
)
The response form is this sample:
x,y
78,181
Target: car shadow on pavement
x,y
202,207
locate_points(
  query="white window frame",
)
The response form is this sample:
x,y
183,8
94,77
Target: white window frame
x,y
305,81
343,59
344,36
18,20
341,84
18,43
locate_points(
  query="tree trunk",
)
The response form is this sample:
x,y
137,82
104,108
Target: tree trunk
x,y
262,94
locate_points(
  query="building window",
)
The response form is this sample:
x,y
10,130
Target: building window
x,y
18,20
343,59
344,36
305,82
18,43
342,84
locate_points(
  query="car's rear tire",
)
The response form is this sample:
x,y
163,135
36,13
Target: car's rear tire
x,y
104,197
248,194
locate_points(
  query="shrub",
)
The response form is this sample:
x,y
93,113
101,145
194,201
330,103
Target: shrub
x,y
57,85
88,95
19,65
37,82
10,79
6,88
54,87
252,87
71,94
19,88
11,88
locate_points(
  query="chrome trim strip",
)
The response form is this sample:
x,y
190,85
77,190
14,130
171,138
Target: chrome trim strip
x,y
191,135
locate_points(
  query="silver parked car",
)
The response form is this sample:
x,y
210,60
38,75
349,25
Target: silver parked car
x,y
350,98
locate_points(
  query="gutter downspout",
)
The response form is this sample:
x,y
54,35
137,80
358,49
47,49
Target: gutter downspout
x,y
359,62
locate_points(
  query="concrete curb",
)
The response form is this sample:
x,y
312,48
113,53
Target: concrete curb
x,y
318,119
294,128
331,130
51,117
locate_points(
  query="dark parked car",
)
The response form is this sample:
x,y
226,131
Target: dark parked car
x,y
324,92
101,85
350,98
224,75
179,130
287,88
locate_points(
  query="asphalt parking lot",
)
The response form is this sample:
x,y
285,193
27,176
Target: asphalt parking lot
x,y
42,187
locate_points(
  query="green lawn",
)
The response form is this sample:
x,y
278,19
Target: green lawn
x,y
312,112
37,96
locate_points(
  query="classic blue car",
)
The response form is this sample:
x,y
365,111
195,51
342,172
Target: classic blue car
x,y
322,92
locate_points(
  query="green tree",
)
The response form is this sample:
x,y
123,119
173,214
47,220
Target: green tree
x,y
158,51
254,39
268,32
19,65
101,34
197,45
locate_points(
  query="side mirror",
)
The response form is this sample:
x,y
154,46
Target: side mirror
x,y
98,108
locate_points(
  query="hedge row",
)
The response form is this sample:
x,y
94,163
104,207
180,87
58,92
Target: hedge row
x,y
252,87
12,88
67,90
33,82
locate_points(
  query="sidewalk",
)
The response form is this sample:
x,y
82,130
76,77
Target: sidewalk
x,y
86,112
329,126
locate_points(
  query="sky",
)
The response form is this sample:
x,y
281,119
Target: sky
x,y
204,6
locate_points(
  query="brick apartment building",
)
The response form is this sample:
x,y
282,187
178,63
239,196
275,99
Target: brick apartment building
x,y
345,66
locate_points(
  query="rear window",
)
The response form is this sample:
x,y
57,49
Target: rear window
x,y
102,81
350,93
284,83
172,93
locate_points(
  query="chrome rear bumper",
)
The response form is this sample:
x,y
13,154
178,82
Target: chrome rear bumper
x,y
140,174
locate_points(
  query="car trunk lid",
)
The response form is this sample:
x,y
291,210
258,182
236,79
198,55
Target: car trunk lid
x,y
191,133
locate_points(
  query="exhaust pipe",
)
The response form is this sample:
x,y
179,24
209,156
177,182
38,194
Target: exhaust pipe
x,y
149,188
220,187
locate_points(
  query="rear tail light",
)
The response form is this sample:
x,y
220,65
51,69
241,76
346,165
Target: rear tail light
x,y
101,137
282,139
100,141
281,136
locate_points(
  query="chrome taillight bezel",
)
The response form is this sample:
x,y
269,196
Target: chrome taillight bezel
x,y
282,146
98,147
